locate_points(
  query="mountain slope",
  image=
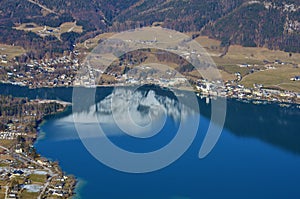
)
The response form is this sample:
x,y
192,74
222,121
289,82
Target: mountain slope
x,y
181,15
275,26
273,23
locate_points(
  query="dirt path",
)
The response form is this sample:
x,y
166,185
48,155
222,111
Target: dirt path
x,y
6,191
42,6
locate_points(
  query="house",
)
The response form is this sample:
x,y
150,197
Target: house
x,y
266,62
257,93
19,150
286,94
18,172
12,196
244,65
15,189
58,193
247,90
41,162
296,78
59,186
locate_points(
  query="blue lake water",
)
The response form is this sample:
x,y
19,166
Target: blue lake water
x,y
257,155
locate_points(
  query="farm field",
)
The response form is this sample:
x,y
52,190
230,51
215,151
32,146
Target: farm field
x,y
47,30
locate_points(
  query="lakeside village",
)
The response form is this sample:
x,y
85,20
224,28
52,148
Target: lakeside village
x,y
23,172
61,72
257,95
211,89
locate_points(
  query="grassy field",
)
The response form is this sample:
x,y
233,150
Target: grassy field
x,y
232,69
212,46
237,55
252,55
44,30
230,60
228,65
38,178
7,143
70,26
11,51
3,164
278,78
260,54
29,195
2,190
93,42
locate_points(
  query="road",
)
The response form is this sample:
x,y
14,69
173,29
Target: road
x,y
25,160
6,149
42,6
6,191
50,172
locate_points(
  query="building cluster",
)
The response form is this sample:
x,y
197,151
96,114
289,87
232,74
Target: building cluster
x,y
163,82
62,71
23,173
231,89
8,135
58,187
53,72
3,59
33,178
22,170
139,75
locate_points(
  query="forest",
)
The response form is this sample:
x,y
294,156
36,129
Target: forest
x,y
273,24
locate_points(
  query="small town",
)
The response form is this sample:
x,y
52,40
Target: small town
x,y
23,172
34,76
43,73
63,72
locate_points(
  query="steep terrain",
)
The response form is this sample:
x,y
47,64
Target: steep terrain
x,y
269,24
184,16
274,23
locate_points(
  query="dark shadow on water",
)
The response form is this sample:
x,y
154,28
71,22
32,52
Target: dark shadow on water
x,y
279,126
269,123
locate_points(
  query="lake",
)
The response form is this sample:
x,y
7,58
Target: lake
x,y
257,155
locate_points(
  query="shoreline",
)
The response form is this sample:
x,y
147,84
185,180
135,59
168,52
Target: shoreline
x,y
39,124
211,94
22,151
78,182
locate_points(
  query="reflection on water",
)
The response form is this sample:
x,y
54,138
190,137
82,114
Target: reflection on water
x,y
138,113
238,167
272,124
